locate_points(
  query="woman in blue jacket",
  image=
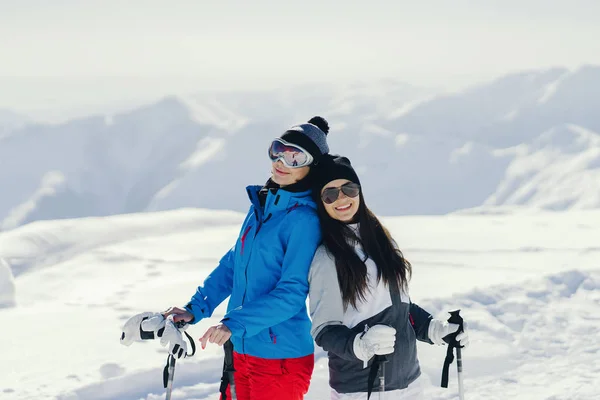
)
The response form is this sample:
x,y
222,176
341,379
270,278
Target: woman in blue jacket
x,y
266,275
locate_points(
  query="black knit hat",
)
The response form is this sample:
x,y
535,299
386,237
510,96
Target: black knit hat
x,y
332,167
311,136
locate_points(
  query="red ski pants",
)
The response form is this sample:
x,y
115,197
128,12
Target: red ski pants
x,y
266,379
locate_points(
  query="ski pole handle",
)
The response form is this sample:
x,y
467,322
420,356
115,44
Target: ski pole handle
x,y
455,318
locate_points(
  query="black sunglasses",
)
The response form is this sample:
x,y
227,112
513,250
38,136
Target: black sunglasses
x,y
331,194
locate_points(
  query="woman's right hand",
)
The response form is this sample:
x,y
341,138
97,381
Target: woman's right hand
x,y
179,314
379,339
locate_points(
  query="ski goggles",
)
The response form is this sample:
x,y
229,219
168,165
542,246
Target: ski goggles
x,y
292,156
330,195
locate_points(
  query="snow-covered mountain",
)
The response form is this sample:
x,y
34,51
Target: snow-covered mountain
x,y
525,139
559,169
510,110
7,285
200,150
10,121
459,150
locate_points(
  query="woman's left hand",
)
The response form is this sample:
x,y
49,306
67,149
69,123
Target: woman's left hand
x,y
218,334
438,330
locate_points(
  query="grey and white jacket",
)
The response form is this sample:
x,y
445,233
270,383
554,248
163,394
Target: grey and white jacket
x,y
335,329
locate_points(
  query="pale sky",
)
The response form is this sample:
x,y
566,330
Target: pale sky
x,y
63,53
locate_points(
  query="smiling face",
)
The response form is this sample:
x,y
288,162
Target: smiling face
x,y
284,176
344,208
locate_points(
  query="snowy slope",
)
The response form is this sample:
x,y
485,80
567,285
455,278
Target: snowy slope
x,y
528,283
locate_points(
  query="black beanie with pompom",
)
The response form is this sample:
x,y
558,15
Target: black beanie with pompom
x,y
311,136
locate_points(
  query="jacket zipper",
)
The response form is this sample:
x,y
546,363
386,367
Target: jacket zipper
x,y
246,275
246,269
258,226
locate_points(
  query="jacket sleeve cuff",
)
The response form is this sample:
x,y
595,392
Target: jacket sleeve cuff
x,y
196,316
427,328
236,328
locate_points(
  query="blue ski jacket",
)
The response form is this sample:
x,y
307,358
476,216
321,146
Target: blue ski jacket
x,y
266,275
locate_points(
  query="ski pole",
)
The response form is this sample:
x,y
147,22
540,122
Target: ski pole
x,y
169,370
170,373
228,370
382,360
455,318
461,392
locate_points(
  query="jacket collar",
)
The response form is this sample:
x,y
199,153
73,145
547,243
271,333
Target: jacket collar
x,y
278,200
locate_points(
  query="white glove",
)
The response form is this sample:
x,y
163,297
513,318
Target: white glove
x,y
155,323
173,337
133,331
379,339
438,330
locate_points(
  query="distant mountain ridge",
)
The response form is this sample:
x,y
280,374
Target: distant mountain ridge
x,y
526,139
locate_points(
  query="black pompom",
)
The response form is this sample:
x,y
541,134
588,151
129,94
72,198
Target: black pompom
x,y
321,123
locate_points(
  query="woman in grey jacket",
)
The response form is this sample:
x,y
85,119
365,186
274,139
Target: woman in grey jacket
x,y
368,314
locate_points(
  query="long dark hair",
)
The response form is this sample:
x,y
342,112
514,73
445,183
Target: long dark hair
x,y
377,243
